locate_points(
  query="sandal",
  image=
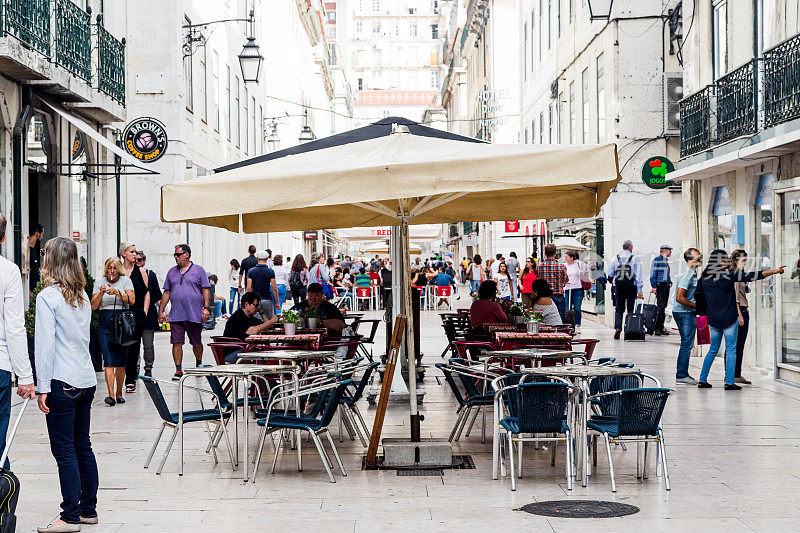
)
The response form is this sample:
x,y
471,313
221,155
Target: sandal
x,y
120,400
110,401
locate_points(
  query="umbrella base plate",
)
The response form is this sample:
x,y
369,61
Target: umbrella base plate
x,y
425,453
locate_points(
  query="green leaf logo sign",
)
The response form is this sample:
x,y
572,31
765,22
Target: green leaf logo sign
x,y
655,170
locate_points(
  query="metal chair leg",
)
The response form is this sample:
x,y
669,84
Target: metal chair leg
x,y
336,453
323,456
645,461
277,449
262,437
472,422
570,460
155,445
354,423
638,460
169,447
457,424
483,425
519,460
354,408
463,422
663,455
232,457
553,454
610,463
511,458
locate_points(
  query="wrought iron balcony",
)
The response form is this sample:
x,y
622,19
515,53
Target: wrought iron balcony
x,y
470,227
695,113
73,39
737,103
28,21
110,65
782,82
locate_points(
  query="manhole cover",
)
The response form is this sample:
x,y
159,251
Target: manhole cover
x,y
420,472
580,509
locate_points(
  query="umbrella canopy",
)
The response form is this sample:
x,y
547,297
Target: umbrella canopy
x,y
382,247
417,232
377,181
568,243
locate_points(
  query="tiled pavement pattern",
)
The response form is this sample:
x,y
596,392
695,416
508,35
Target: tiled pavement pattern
x,y
734,463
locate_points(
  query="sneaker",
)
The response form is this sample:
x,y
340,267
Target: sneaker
x,y
732,387
578,330
61,528
148,372
178,375
688,380
658,333
89,520
743,381
665,333
130,387
617,333
703,385
200,364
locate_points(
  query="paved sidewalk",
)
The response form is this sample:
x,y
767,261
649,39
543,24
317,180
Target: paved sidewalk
x,y
734,464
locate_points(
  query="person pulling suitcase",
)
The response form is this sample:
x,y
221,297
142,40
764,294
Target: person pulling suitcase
x,y
661,284
626,272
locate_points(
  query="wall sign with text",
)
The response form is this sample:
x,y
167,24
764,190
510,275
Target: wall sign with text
x,y
145,139
654,172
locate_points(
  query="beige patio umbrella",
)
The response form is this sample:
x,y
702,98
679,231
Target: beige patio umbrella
x,y
382,247
393,173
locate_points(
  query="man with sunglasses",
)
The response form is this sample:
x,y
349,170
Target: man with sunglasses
x,y
685,314
151,321
187,287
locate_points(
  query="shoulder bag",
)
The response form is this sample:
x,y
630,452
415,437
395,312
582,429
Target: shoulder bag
x,y
123,326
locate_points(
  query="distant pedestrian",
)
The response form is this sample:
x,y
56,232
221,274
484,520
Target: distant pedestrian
x,y
739,262
476,275
555,274
661,284
495,267
138,277
36,234
151,320
186,287
281,280
233,280
247,263
503,279
298,279
261,279
577,271
716,291
66,382
626,272
513,271
684,312
318,272
526,279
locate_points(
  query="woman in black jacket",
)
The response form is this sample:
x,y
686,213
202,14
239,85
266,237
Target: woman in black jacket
x,y
716,290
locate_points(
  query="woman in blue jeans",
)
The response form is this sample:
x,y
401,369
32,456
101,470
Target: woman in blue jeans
x,y
685,315
233,281
66,382
716,291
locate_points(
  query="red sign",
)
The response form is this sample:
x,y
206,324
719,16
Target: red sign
x,y
382,232
512,226
76,235
312,235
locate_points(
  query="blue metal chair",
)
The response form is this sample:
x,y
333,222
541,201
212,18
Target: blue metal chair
x,y
473,399
328,398
350,407
638,415
540,411
216,415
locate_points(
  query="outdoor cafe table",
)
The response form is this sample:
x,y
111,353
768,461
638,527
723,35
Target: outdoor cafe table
x,y
533,354
583,374
555,337
236,372
294,357
301,338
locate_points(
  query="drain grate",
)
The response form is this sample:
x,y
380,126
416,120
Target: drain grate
x,y
580,509
416,472
459,462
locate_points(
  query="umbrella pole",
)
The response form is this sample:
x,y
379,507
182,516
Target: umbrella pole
x,y
411,352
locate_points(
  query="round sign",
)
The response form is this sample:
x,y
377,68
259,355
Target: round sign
x,y
145,139
654,172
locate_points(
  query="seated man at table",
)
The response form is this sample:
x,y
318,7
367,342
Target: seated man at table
x,y
485,310
330,316
442,279
243,322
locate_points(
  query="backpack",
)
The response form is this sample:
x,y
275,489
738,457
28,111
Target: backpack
x,y
623,277
296,281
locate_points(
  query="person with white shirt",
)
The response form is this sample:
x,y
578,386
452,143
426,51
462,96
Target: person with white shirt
x,y
577,272
495,266
66,382
281,279
13,340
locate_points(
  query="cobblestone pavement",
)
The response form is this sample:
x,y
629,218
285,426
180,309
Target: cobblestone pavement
x,y
734,465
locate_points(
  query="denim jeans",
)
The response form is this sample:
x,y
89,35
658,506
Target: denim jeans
x,y
730,334
68,428
474,285
741,338
281,297
5,409
687,326
561,304
574,301
234,299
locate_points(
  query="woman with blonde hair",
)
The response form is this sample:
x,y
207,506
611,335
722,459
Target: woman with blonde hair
x,y
112,293
138,277
66,382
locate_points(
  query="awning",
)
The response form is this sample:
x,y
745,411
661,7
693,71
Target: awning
x,y
568,243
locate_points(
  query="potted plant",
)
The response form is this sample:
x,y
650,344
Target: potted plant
x,y
534,320
311,316
290,321
516,314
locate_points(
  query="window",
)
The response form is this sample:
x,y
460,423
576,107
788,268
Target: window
x,y
359,27
551,136
246,125
526,135
525,51
253,122
558,18
533,132
228,100
203,85
376,28
237,110
533,53
571,10
397,29
260,129
215,89
434,31
187,74
360,84
331,16
376,6
601,100
573,123
720,37
541,127
549,22
412,29
435,83
541,32
562,117
585,105
722,210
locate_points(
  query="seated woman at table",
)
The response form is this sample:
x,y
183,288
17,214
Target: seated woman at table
x,y
339,283
243,322
540,298
329,314
485,310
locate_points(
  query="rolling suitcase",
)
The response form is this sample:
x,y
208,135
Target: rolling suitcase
x,y
634,325
650,313
9,484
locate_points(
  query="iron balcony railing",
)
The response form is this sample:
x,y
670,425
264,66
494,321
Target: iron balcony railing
x,y
782,82
110,65
73,39
28,21
695,111
737,112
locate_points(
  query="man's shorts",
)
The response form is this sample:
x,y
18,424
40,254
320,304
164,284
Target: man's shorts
x,y
178,330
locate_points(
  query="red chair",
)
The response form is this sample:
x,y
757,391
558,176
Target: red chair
x,y
219,338
221,349
352,346
443,293
588,346
470,350
364,293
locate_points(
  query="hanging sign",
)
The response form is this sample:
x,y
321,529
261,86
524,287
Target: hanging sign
x,y
77,146
512,226
654,172
310,235
145,139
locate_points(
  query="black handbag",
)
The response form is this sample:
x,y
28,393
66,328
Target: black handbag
x,y
123,327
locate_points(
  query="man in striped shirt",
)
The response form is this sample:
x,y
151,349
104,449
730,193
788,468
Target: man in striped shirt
x,y
555,274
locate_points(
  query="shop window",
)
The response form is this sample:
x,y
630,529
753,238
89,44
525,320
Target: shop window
x,y
762,297
790,283
722,217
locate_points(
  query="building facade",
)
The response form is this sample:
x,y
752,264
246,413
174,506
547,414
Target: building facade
x,y
740,161
62,92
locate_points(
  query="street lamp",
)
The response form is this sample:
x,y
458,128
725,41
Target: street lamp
x,y
273,140
600,9
306,134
